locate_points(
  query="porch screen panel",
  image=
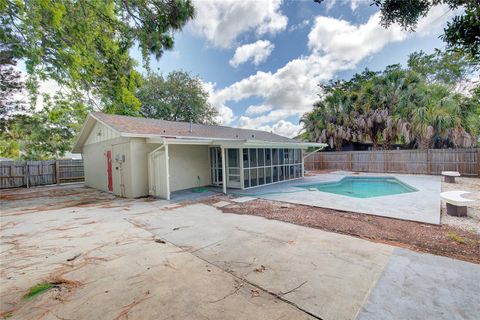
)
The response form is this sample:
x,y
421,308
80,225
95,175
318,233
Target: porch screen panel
x,y
270,165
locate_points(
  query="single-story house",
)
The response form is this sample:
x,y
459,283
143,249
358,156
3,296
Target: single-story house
x,y
134,157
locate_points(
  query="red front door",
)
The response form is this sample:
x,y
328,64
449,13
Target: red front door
x,y
109,170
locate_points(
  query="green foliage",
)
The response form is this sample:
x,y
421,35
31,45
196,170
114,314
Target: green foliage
x,y
37,289
178,97
85,44
449,68
416,106
462,33
45,134
11,85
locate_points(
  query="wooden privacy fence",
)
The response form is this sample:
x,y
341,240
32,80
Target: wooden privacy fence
x,y
36,173
433,161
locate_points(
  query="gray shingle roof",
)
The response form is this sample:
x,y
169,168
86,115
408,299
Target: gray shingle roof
x,y
146,126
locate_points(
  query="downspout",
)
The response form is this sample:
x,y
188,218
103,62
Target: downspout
x,y
314,151
304,157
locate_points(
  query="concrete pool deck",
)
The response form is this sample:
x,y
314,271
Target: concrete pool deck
x,y
421,206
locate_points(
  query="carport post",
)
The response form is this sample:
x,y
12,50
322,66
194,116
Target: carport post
x,y
224,173
167,171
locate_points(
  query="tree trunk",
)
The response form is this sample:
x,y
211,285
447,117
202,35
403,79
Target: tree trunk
x,y
338,144
374,143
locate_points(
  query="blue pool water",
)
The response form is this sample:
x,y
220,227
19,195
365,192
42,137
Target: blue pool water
x,y
363,187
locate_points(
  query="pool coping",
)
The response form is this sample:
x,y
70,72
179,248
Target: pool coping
x,y
421,206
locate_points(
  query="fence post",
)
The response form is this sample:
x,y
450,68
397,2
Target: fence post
x,y
26,173
12,179
429,169
350,159
478,162
385,161
57,170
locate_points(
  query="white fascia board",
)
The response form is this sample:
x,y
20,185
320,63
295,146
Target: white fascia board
x,y
303,145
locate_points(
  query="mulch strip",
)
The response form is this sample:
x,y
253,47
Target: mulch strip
x,y
439,240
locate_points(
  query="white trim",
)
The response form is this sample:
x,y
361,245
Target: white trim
x,y
224,181
242,174
167,170
256,143
303,163
226,143
89,116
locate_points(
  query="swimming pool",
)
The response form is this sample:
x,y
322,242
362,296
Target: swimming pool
x,y
363,187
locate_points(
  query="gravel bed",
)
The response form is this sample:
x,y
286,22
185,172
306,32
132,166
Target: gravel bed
x,y
472,222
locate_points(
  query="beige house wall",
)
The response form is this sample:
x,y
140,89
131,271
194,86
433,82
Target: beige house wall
x,y
101,132
189,166
95,162
139,151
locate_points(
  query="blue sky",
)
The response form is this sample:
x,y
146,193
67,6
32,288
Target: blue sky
x,y
262,60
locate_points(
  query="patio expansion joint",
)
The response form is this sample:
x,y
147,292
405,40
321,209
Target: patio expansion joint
x,y
277,295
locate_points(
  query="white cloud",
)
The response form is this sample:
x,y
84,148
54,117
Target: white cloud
x,y
351,43
354,5
258,52
225,114
434,22
252,110
335,45
299,26
222,21
284,128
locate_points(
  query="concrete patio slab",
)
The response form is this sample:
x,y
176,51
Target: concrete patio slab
x,y
424,287
326,274
119,272
211,265
421,206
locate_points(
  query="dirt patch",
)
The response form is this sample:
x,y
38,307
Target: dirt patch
x,y
439,240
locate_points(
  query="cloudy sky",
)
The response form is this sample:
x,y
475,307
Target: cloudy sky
x,y
261,60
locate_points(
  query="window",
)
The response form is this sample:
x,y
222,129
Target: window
x,y
268,175
275,173
261,158
275,156
246,178
261,176
233,158
245,158
253,158
264,166
268,157
298,155
298,171
253,177
285,154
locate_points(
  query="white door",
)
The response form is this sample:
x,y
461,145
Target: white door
x,y
233,168
158,176
216,166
